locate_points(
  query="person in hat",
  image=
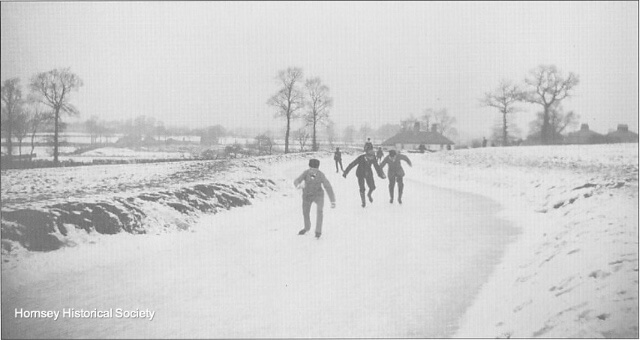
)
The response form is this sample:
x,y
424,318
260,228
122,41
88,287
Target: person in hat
x,y
395,172
312,182
365,174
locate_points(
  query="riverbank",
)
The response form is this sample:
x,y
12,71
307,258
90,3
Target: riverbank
x,y
574,270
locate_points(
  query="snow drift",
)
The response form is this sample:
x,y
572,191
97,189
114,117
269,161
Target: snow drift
x,y
135,199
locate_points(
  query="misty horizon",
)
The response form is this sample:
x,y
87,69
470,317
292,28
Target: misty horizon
x,y
202,64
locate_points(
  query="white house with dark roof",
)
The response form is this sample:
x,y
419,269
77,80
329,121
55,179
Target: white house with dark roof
x,y
412,139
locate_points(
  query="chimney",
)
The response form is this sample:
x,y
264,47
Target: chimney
x,y
623,127
584,127
434,127
416,126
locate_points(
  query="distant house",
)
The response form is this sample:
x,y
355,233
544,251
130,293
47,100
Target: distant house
x,y
622,135
412,139
584,136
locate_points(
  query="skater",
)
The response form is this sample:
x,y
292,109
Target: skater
x,y
337,156
379,154
368,145
312,180
364,173
395,173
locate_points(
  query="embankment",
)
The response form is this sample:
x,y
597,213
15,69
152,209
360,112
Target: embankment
x,y
574,270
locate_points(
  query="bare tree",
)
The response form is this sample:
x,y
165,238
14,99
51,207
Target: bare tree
x,y
21,128
318,104
12,106
497,133
445,123
504,99
54,88
302,135
548,87
289,99
38,121
558,122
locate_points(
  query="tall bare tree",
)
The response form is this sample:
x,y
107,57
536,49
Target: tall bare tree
x,y
318,105
12,106
289,99
548,86
54,89
504,98
558,122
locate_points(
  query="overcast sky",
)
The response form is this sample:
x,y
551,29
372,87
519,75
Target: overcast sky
x,y
203,63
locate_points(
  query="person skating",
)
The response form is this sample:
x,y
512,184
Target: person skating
x,y
337,156
395,172
379,154
364,173
312,182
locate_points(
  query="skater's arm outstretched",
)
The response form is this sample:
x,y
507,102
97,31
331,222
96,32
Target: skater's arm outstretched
x,y
351,165
406,159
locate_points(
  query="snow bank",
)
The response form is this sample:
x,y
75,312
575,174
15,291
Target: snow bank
x,y
42,209
574,270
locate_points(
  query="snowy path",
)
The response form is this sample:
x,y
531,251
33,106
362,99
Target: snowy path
x,y
384,271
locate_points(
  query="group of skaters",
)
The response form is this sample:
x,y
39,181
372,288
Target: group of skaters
x,y
312,181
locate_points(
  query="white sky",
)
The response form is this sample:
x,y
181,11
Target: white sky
x,y
206,63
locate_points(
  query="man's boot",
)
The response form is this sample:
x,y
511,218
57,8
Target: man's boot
x,y
364,201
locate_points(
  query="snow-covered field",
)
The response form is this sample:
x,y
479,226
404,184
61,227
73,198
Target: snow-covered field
x,y
445,263
574,271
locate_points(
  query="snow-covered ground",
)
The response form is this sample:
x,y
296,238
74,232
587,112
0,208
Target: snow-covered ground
x,y
574,271
557,257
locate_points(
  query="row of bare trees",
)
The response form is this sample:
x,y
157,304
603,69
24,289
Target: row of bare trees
x,y
298,98
545,86
47,102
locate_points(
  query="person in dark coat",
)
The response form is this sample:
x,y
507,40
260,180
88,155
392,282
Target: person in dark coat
x,y
368,145
337,156
395,172
379,154
365,174
312,182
